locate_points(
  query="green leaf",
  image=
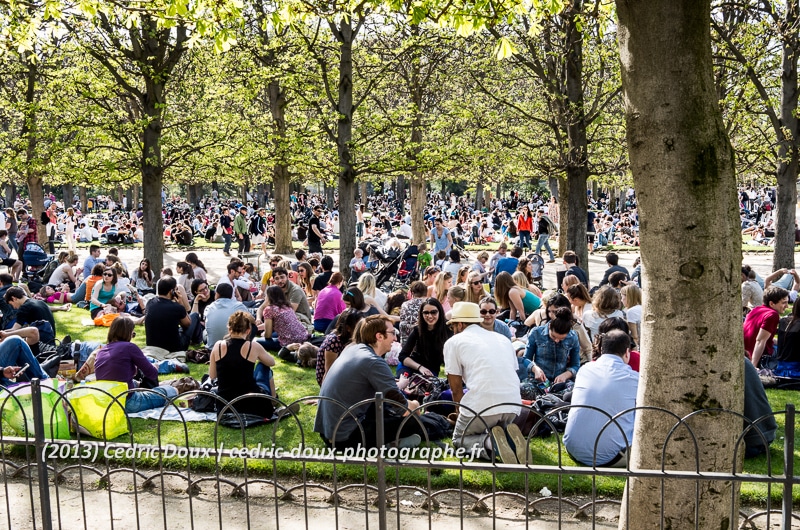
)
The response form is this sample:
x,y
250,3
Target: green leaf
x,y
505,48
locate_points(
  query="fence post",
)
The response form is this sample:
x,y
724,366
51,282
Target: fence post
x,y
39,444
788,468
381,469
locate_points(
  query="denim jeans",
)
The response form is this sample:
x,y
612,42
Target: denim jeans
x,y
544,241
79,294
14,351
270,344
263,376
524,239
227,248
140,400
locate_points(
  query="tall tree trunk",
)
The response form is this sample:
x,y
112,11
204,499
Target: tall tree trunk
x,y
499,191
594,189
691,253
134,197
11,195
572,203
283,215
67,192
479,195
344,133
400,188
552,184
84,197
30,133
243,192
36,193
153,177
362,192
191,195
786,207
418,198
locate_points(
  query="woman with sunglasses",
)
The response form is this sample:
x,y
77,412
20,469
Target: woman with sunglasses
x,y
488,309
423,352
105,292
474,288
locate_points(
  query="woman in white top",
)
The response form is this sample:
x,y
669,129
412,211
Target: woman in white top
x,y
65,273
143,276
366,283
632,299
69,231
605,304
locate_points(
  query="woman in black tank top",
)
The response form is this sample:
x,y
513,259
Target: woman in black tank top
x,y
242,366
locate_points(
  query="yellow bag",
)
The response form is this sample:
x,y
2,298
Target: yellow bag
x,y
18,413
90,405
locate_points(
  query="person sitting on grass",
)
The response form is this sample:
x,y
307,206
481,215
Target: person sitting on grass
x,y
120,360
241,366
15,354
280,323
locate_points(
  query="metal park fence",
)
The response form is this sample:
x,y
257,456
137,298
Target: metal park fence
x,y
180,474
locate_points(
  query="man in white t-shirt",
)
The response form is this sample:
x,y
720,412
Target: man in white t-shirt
x,y
485,362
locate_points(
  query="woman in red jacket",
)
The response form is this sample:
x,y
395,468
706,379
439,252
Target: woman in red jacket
x,y
524,227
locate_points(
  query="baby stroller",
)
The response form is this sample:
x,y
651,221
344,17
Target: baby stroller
x,y
389,260
407,271
537,272
38,264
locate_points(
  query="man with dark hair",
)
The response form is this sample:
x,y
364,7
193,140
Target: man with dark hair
x,y
28,309
226,224
357,375
294,294
240,230
300,256
315,236
571,264
218,312
543,229
234,270
92,260
166,322
509,263
259,229
761,324
613,261
611,385
322,279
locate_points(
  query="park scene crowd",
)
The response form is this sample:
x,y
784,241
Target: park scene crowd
x,y
415,316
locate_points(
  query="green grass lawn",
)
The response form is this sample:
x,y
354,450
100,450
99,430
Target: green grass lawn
x,y
294,383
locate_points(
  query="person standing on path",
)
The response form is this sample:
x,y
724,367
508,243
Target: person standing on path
x,y
315,236
240,230
226,223
543,230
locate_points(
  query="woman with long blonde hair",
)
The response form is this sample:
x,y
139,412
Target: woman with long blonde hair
x,y
444,281
474,288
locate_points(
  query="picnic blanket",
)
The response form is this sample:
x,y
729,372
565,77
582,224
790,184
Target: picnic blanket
x,y
172,414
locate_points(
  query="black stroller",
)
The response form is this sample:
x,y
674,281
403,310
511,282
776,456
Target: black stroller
x,y
39,265
398,270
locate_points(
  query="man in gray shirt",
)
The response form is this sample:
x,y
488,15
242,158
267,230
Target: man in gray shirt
x,y
219,311
358,373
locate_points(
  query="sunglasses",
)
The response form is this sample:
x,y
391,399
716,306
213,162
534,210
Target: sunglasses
x,y
488,311
108,274
430,313
476,282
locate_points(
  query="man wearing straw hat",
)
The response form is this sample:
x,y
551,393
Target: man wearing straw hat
x,y
485,362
